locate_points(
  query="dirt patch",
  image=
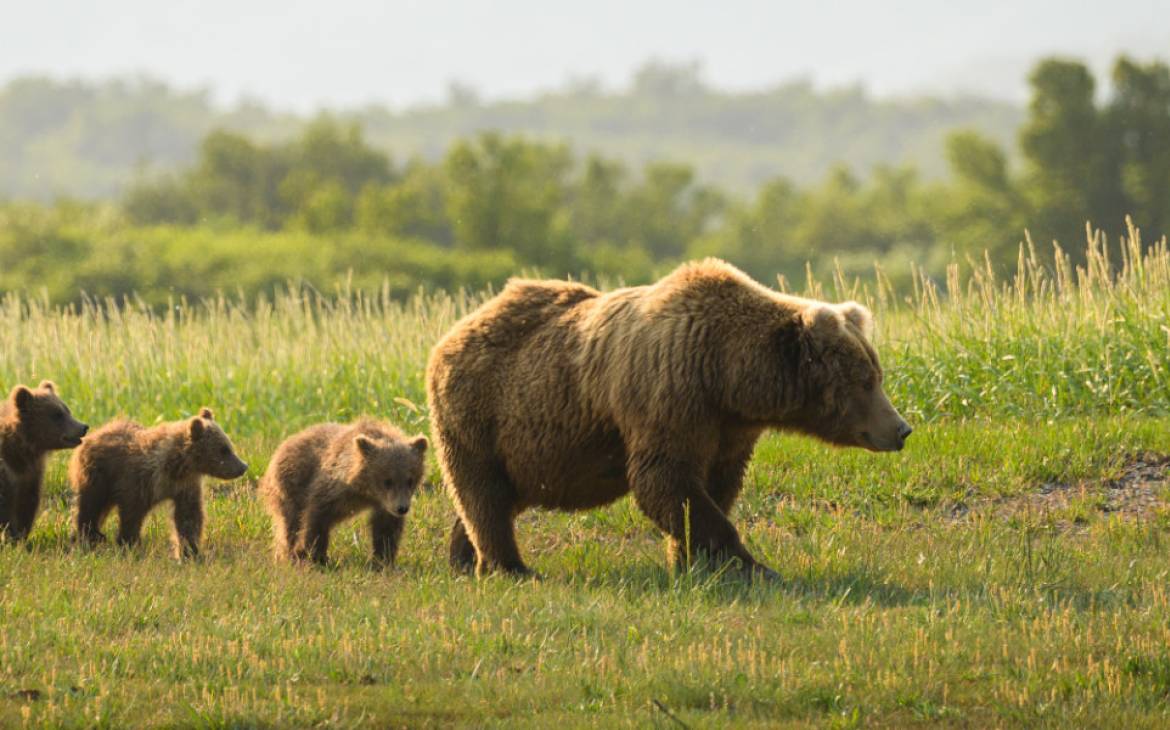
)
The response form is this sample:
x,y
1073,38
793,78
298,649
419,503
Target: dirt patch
x,y
1139,492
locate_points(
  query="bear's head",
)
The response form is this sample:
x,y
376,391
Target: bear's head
x,y
841,379
817,373
43,419
211,451
388,471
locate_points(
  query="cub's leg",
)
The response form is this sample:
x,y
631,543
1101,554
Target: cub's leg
x,y
26,500
318,521
95,500
385,532
5,506
188,518
131,514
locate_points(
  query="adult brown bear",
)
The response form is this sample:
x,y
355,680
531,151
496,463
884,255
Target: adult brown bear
x,y
556,395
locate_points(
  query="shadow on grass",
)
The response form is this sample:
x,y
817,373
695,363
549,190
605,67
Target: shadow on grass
x,y
723,585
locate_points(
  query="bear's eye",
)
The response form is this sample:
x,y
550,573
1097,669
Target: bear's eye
x,y
59,416
388,483
225,451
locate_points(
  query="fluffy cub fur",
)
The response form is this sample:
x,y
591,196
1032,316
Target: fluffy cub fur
x,y
32,423
126,466
330,472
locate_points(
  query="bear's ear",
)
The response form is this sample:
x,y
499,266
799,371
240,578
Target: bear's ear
x,y
197,428
206,413
821,318
364,444
858,316
419,444
49,386
21,397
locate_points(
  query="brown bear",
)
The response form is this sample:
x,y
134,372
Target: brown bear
x,y
32,423
330,472
133,468
555,395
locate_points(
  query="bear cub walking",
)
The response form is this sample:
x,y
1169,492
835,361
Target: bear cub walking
x,y
126,466
32,423
330,472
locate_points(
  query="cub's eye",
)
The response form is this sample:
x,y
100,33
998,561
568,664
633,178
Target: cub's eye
x,y
388,483
225,451
59,416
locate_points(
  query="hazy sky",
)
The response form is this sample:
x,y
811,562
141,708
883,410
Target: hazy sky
x,y
301,54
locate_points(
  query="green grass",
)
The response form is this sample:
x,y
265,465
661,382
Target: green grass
x,y
895,608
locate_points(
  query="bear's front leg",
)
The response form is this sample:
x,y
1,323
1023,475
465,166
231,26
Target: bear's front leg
x,y
188,517
385,531
671,492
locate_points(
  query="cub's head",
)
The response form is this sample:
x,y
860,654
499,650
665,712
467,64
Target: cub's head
x,y
44,419
387,471
844,400
211,451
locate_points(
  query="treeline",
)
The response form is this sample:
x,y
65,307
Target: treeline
x,y
249,216
87,139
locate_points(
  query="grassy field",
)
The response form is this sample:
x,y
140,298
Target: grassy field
x,y
984,576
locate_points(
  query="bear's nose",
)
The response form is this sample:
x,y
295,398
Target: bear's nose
x,y
84,429
401,510
904,431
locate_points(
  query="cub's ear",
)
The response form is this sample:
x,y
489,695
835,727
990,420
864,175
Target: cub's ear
x,y
48,385
858,316
197,428
364,444
419,444
206,413
21,397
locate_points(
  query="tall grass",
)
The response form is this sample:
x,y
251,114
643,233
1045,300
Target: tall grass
x,y
1047,342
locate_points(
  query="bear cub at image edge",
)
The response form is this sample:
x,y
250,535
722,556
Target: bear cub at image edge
x,y
127,466
32,423
330,472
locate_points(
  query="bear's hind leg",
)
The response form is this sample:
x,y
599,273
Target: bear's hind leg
x,y
461,553
487,506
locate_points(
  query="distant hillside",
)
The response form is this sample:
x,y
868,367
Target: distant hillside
x,y
90,139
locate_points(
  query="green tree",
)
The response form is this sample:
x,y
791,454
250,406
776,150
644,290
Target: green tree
x,y
1068,178
508,193
413,207
1139,123
982,209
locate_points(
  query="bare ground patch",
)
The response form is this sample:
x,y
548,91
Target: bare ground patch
x,y
1141,491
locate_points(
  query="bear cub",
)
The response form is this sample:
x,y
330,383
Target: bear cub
x,y
32,423
330,472
132,468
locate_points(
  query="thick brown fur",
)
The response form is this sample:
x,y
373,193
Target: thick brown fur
x,y
131,468
555,395
330,472
32,423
